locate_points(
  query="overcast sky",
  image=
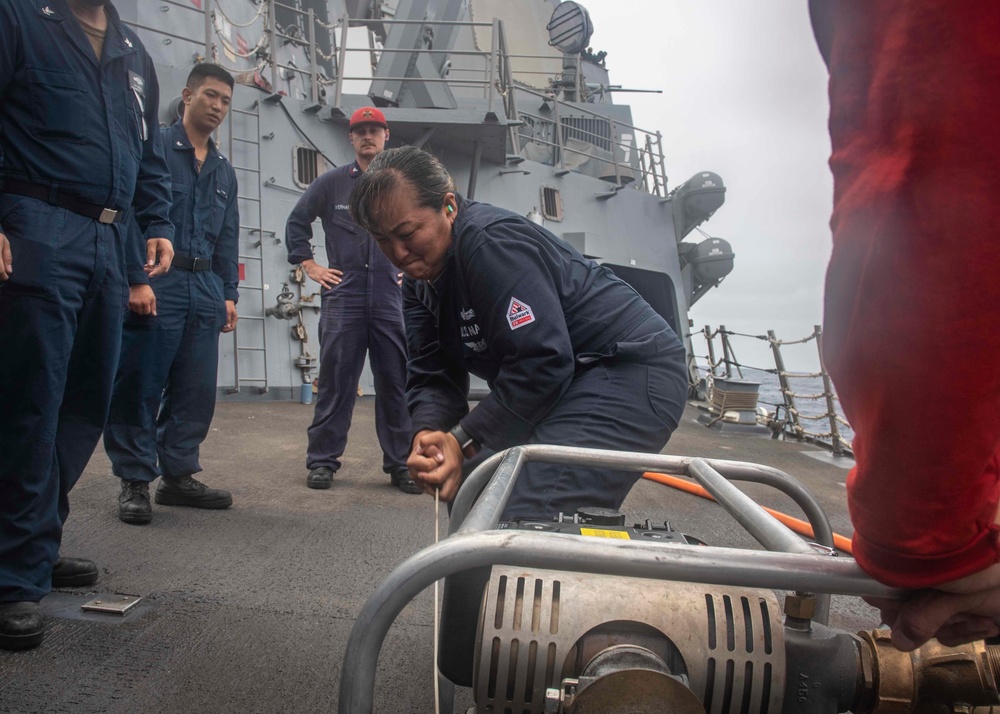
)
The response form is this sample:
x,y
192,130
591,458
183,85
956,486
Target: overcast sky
x,y
744,95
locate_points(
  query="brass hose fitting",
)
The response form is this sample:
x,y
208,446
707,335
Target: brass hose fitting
x,y
962,678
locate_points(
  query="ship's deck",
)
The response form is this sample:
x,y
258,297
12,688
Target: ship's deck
x,y
249,609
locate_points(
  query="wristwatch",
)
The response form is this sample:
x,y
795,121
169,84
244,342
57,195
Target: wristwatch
x,y
469,446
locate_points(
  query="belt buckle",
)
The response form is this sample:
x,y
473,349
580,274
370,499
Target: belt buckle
x,y
108,215
202,264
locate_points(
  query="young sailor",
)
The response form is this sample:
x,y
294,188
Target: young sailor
x,y
165,389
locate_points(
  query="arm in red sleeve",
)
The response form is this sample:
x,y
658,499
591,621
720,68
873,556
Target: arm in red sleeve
x,y
912,306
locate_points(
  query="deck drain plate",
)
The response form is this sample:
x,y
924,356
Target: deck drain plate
x,y
112,610
111,604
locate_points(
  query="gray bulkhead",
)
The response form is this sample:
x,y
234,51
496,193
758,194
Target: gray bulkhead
x,y
595,182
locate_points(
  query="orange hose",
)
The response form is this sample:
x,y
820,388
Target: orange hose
x,y
799,526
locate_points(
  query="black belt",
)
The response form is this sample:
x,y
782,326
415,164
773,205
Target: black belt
x,y
56,198
195,265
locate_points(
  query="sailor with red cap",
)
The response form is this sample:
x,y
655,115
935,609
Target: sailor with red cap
x,y
361,312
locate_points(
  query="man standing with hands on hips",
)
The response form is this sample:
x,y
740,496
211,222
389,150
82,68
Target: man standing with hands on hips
x,y
164,396
361,313
78,150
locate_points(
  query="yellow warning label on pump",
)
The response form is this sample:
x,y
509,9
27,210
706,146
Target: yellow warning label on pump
x,y
601,533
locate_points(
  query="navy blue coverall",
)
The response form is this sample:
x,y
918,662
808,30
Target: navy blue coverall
x,y
361,314
164,395
572,354
84,130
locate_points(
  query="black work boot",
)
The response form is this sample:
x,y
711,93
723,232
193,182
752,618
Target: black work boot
x,y
401,480
73,573
186,491
21,626
320,477
133,503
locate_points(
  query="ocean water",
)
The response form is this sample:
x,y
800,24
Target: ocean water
x,y
770,396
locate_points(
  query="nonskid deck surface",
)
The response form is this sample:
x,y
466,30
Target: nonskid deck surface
x,y
249,609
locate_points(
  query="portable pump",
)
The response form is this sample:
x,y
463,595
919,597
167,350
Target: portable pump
x,y
583,614
618,644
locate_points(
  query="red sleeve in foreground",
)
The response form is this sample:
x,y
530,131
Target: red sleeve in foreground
x,y
912,307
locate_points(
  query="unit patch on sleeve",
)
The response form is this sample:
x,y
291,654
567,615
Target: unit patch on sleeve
x,y
519,313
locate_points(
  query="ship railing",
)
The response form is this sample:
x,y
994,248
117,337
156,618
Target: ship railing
x,y
489,82
261,56
788,418
634,154
629,156
261,53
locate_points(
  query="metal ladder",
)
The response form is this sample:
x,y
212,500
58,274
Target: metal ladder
x,y
251,253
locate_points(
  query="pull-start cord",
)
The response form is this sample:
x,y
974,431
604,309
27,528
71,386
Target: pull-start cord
x,y
437,609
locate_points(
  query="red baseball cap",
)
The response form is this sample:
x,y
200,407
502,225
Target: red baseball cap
x,y
368,115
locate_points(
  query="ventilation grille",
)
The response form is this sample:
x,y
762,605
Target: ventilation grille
x,y
307,165
552,207
593,130
728,641
527,606
733,684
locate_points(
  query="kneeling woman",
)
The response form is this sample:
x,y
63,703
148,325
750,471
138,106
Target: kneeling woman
x,y
572,354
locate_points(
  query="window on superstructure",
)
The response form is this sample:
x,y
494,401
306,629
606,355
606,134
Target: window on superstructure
x,y
307,165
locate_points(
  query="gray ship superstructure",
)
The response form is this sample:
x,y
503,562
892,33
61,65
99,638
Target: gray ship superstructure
x,y
506,93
